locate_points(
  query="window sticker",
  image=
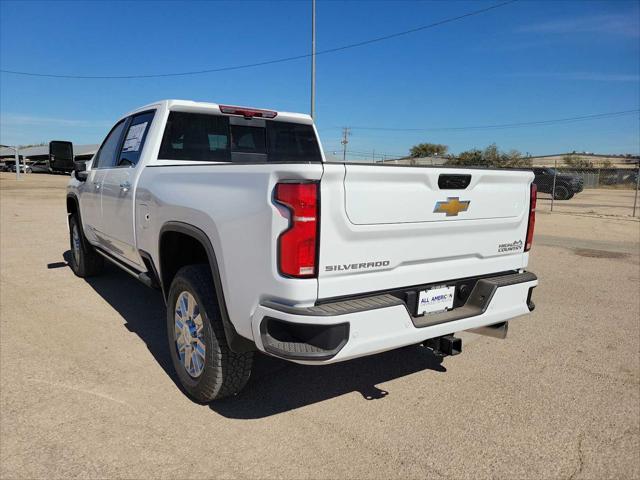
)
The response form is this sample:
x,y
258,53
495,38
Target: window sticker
x,y
134,137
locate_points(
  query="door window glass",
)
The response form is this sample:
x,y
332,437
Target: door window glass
x,y
134,139
106,156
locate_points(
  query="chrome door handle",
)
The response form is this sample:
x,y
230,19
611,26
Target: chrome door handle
x,y
125,186
96,185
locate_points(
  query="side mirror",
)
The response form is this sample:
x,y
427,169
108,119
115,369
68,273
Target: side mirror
x,y
61,156
80,170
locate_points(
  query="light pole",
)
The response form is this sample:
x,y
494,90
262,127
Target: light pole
x,y
17,157
313,60
635,197
345,139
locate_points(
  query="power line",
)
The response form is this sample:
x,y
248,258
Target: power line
x,y
274,61
580,118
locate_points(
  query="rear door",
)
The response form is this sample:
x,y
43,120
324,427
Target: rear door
x,y
387,227
118,191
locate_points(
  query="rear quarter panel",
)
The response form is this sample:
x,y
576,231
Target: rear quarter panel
x,y
233,205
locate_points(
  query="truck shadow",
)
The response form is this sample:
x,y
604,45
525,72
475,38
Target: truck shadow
x,y
275,386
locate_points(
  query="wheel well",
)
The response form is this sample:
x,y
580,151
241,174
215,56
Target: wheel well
x,y
72,205
178,249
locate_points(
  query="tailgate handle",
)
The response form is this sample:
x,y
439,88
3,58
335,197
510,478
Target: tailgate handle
x,y
453,181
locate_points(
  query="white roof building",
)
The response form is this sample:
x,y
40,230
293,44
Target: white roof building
x,y
41,151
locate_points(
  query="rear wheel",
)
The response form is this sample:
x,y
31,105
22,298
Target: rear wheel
x,y
85,261
206,367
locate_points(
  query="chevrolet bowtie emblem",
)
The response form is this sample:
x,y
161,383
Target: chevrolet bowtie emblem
x,y
452,206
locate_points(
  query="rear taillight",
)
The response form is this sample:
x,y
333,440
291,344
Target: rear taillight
x,y
532,217
298,245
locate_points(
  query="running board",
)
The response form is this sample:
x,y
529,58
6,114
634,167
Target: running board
x,y
141,276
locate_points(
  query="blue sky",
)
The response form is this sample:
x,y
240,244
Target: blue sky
x,y
526,61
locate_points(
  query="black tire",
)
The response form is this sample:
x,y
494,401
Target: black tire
x,y
225,372
562,193
85,261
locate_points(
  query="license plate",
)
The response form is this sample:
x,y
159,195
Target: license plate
x,y
435,300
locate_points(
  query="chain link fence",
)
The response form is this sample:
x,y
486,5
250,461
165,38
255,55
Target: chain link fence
x,y
596,187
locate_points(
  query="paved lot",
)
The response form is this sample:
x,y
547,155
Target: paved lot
x,y
87,391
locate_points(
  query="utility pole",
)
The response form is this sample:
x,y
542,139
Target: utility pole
x,y
18,164
346,131
553,189
313,60
635,198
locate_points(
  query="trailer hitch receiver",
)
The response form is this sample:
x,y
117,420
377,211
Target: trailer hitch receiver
x,y
444,346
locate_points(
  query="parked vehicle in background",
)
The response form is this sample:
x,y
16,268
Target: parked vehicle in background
x,y
23,168
258,243
616,176
40,166
61,156
566,184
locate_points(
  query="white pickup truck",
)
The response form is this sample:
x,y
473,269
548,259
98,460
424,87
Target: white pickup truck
x,y
257,242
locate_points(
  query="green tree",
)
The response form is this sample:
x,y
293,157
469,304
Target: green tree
x,y
428,150
470,158
575,161
491,156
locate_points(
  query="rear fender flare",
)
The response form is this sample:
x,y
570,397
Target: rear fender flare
x,y
236,342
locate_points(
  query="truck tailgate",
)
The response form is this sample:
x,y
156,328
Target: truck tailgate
x,y
386,227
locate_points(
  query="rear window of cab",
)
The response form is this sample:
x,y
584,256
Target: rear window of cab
x,y
220,138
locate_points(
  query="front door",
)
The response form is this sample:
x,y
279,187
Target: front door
x,y
91,206
118,199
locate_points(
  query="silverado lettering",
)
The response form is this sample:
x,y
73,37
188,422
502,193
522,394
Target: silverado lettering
x,y
356,266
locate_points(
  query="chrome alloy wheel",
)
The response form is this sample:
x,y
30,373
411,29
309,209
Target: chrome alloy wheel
x,y
189,334
75,241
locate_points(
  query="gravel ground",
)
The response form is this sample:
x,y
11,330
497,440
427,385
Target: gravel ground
x,y
87,389
600,201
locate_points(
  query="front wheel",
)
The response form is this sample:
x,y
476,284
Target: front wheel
x,y
206,367
562,193
85,261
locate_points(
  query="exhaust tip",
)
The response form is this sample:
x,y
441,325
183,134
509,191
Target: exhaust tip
x,y
498,330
